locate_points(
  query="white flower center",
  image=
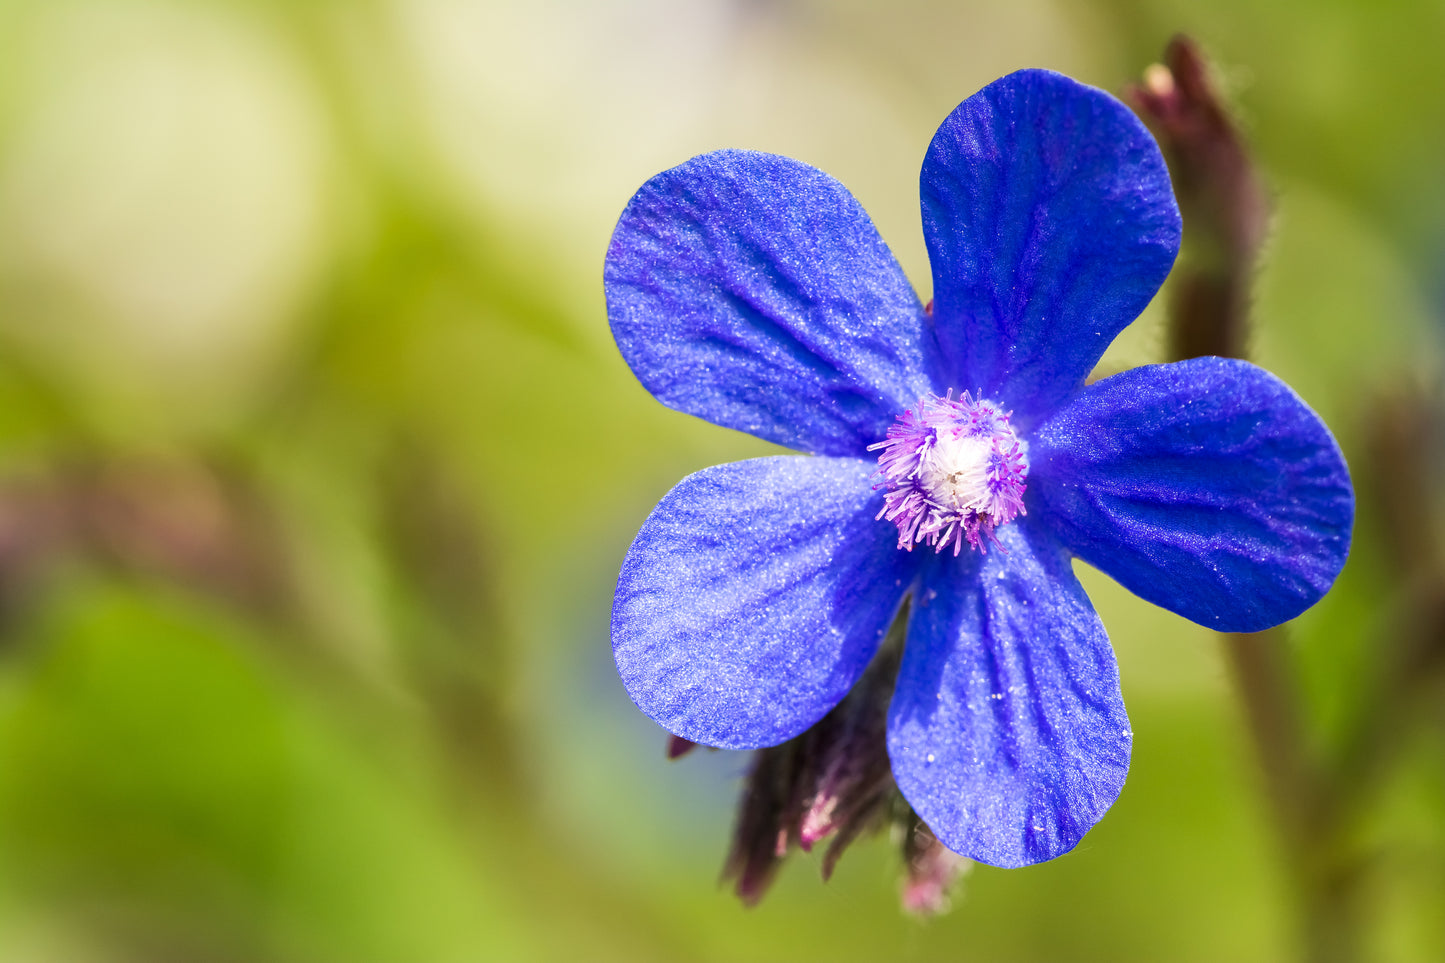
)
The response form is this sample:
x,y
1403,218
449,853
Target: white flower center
x,y
955,470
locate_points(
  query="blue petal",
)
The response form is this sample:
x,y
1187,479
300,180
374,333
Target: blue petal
x,y
754,597
1050,224
1207,487
1007,730
753,291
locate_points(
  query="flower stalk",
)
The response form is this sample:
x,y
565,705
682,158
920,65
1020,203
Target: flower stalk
x,y
1316,798
1226,217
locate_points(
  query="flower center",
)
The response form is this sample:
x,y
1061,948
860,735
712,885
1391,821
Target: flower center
x,y
954,470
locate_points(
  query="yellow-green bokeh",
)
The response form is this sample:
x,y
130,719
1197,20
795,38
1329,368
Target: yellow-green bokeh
x,y
317,465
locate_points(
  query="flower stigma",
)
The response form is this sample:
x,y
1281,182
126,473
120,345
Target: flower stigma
x,y
954,470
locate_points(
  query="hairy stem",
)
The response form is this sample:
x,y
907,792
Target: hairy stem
x,y
1226,217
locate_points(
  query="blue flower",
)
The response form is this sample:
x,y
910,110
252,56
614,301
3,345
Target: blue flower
x,y
753,291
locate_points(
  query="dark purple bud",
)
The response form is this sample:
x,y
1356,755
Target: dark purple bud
x,y
766,811
848,776
832,781
1221,197
677,746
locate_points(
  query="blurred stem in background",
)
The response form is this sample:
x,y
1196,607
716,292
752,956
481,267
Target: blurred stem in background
x,y
1316,796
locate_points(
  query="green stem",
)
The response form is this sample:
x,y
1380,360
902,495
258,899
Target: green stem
x,y
1225,219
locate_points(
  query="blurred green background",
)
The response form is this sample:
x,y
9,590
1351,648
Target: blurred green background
x,y
317,465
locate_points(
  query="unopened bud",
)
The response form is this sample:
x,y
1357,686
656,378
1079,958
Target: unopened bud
x,y
932,872
832,781
677,746
1221,196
